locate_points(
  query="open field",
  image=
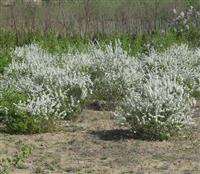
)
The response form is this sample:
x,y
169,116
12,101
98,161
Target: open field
x,y
95,144
153,96
99,87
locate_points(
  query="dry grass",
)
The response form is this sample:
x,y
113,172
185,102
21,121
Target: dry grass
x,y
88,16
95,144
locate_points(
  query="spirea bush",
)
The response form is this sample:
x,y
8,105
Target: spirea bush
x,y
110,69
51,82
53,87
17,120
112,72
180,61
156,108
160,103
153,93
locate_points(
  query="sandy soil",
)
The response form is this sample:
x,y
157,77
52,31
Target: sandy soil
x,y
95,144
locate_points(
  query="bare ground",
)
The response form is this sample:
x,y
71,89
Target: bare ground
x,y
95,144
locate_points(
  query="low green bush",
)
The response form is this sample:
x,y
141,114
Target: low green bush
x,y
5,58
18,121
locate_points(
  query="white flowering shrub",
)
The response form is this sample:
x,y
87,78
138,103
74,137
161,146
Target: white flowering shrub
x,y
160,103
180,61
112,71
15,120
157,107
51,82
153,92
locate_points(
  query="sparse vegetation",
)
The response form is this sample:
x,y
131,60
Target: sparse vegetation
x,y
8,164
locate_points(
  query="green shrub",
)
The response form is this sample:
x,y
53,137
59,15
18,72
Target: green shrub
x,y
5,58
17,121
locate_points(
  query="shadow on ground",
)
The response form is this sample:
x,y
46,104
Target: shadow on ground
x,y
113,135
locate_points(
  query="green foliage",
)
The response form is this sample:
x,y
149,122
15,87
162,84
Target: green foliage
x,y
163,41
17,121
154,131
5,58
196,94
57,43
28,124
193,3
7,39
8,99
132,43
108,92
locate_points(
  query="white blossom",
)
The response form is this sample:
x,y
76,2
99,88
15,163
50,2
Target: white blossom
x,y
157,86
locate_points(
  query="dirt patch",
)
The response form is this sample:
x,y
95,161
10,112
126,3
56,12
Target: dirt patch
x,y
95,144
